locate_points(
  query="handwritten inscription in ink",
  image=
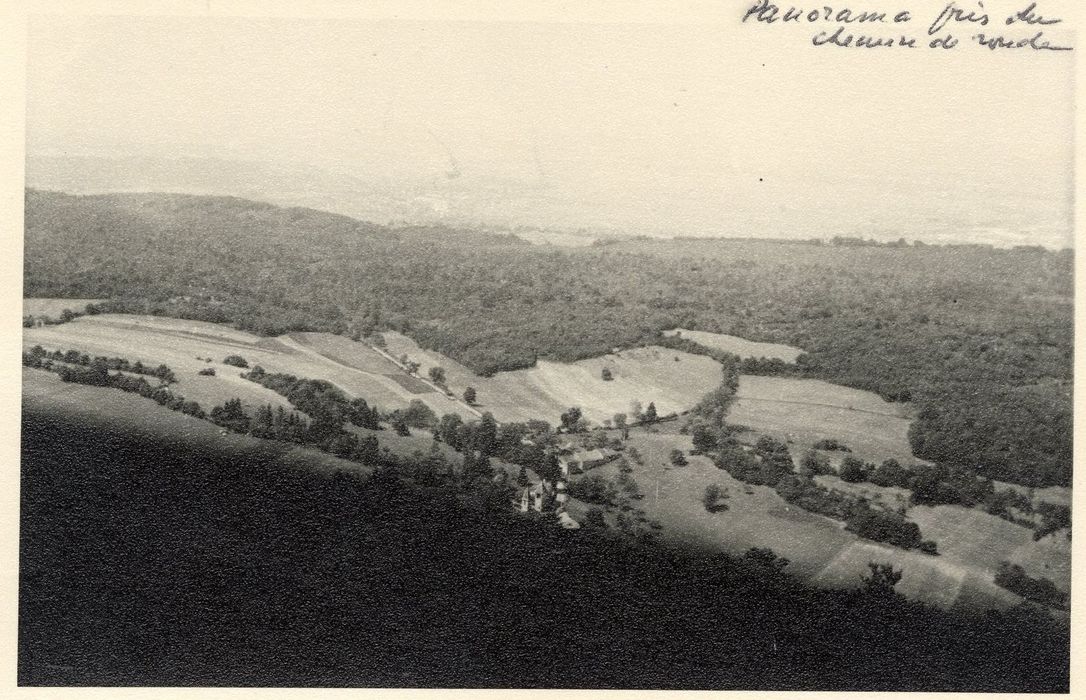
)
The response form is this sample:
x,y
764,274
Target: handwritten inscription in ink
x,y
955,25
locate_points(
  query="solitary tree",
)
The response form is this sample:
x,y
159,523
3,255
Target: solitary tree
x,y
606,374
571,420
711,498
882,580
469,395
400,425
486,435
650,413
437,375
620,423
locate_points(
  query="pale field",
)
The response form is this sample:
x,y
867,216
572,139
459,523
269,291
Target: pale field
x,y
973,537
1057,495
649,374
739,346
804,411
185,345
54,307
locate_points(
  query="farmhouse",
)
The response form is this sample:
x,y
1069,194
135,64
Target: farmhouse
x,y
584,460
539,496
545,496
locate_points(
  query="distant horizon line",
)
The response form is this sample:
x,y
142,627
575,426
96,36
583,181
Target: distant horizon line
x,y
600,236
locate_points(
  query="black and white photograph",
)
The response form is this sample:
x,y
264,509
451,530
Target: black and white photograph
x,y
663,346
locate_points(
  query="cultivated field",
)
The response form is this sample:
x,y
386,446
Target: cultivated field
x,y
52,308
739,346
974,537
185,346
674,381
804,411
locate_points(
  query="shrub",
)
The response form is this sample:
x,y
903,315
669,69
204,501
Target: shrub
x,y
890,473
235,361
712,497
207,372
1040,590
1053,517
814,464
884,527
831,445
852,470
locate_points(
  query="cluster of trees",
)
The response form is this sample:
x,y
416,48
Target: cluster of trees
x,y
594,488
38,356
1054,517
30,320
273,575
327,407
857,513
892,528
979,339
96,373
598,489
1040,590
939,484
289,426
768,463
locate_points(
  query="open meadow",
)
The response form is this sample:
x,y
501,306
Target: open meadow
x,y
739,346
804,411
671,379
53,308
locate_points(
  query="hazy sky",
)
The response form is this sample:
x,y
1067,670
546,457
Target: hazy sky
x,y
682,125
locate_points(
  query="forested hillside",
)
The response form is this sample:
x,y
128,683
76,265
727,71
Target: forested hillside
x,y
979,339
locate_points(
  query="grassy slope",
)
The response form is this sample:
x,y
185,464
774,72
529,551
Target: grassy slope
x,y
179,344
805,411
550,388
820,549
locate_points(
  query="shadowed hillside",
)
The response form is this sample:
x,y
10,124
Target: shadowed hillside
x,y
146,564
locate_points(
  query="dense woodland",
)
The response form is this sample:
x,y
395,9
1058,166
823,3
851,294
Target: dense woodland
x,y
152,561
980,340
